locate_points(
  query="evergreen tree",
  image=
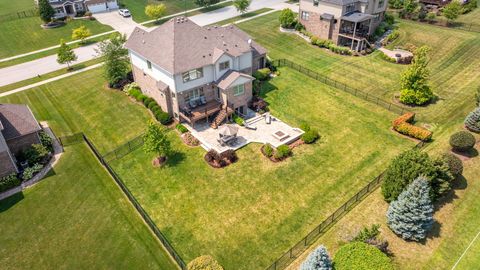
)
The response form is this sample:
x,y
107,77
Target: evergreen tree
x,y
65,54
411,215
45,11
472,122
317,260
414,81
115,55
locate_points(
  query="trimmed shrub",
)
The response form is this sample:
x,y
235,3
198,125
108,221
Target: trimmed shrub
x,y
411,216
472,122
454,163
367,233
387,58
237,119
462,141
205,262
163,117
310,136
287,18
283,151
152,104
156,109
317,260
30,171
403,125
262,74
147,101
140,97
212,155
361,256
46,140
181,128
229,155
35,153
9,181
268,150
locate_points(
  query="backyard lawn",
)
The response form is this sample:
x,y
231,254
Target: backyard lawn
x,y
25,35
249,213
81,103
7,7
137,7
76,218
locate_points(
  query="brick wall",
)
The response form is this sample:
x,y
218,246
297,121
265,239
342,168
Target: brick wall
x,y
6,164
241,100
17,145
149,88
324,29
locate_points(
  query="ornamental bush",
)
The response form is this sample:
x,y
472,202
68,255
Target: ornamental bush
x,y
462,141
181,128
472,122
361,256
403,125
411,215
30,171
163,117
35,153
283,151
205,262
262,74
317,260
287,18
46,140
147,101
454,163
310,136
229,155
268,150
9,181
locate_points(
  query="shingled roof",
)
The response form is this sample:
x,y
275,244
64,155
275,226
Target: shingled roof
x,y
180,45
17,120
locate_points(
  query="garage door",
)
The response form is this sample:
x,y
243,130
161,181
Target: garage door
x,y
97,7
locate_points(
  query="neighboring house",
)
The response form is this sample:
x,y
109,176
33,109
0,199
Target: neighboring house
x,y
64,8
345,22
196,72
18,131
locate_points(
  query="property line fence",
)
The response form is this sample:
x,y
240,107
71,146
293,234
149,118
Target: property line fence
x,y
300,247
124,149
18,15
340,85
80,137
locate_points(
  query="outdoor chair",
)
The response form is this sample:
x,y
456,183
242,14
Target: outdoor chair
x,y
203,100
192,104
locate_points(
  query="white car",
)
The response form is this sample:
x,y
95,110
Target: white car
x,y
124,12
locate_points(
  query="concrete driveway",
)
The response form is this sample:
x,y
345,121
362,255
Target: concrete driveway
x,y
117,22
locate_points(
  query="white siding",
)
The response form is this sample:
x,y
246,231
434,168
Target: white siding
x,y
307,5
208,73
245,61
156,72
222,59
241,80
112,5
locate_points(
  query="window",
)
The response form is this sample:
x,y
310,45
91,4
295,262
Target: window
x,y
224,65
305,15
350,8
192,74
239,90
149,64
194,94
315,3
381,3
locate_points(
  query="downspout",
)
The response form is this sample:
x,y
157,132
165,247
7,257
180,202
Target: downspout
x,y
354,32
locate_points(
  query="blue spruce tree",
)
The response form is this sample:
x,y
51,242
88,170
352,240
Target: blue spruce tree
x,y
411,215
317,260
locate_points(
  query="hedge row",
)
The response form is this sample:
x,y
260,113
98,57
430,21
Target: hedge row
x,y
328,44
403,125
134,91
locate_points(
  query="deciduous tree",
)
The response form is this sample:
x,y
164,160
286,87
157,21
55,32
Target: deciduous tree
x,y
155,11
156,141
414,81
65,54
115,55
81,33
241,5
452,10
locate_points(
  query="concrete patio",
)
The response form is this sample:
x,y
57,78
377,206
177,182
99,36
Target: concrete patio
x,y
275,133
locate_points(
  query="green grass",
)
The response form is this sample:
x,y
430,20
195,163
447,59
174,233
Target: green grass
x,y
137,7
249,213
454,75
7,7
244,16
76,218
82,103
26,35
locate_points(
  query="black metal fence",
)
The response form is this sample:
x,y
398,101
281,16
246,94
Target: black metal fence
x,y
80,137
124,149
340,85
288,257
18,15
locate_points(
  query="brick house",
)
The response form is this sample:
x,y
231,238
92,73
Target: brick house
x,y
70,8
18,130
345,22
194,72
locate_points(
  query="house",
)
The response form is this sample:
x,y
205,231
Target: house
x,y
345,22
18,131
193,72
70,8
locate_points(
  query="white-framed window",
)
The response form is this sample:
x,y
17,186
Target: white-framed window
x,y
239,90
192,74
305,15
149,64
315,3
350,8
224,65
194,94
59,10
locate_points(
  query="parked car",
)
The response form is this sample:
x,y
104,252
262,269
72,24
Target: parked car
x,y
124,12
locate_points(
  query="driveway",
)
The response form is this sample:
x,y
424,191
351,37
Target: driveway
x,y
117,22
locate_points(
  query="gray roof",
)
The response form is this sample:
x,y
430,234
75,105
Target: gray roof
x,y
341,2
327,16
357,17
229,77
17,120
3,144
180,45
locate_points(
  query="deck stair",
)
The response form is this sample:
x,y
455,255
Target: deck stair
x,y
221,116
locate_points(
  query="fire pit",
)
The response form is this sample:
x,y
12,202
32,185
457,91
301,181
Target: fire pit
x,y
280,135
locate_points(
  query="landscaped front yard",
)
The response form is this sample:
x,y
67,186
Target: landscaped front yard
x,y
252,211
76,218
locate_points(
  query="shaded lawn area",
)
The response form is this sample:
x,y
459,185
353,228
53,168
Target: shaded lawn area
x,y
7,7
249,213
454,72
81,103
26,35
137,7
76,218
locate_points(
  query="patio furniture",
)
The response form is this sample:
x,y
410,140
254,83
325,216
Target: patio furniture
x,y
247,125
192,104
228,130
203,100
227,140
268,118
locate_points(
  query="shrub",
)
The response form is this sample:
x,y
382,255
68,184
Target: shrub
x,y
147,101
441,183
367,233
318,259
282,152
156,109
140,97
411,215
163,117
46,140
237,119
403,125
204,262
268,150
181,128
229,155
130,87
361,256
153,105
387,58
454,163
462,141
262,74
392,36
469,6
35,153
30,171
9,181
310,136
472,122
212,155
287,18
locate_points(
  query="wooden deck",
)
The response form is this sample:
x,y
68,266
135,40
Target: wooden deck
x,y
202,112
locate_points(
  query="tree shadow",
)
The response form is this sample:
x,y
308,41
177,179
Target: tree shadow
x,y
459,183
434,232
175,158
10,201
266,88
468,154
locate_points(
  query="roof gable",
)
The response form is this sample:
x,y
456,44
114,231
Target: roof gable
x,y
17,120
